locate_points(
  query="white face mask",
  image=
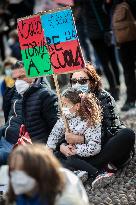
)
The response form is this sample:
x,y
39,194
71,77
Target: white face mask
x,y
8,71
21,86
84,88
21,182
66,111
11,41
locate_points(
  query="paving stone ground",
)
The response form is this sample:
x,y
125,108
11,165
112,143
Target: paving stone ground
x,y
123,190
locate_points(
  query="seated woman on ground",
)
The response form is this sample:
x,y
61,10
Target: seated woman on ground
x,y
37,178
117,141
83,115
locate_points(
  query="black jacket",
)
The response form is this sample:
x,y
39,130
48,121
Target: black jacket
x,y
37,110
111,122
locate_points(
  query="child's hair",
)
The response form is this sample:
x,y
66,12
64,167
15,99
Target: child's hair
x,y
90,109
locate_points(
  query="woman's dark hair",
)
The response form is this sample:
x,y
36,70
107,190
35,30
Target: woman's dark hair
x,y
94,78
90,109
40,164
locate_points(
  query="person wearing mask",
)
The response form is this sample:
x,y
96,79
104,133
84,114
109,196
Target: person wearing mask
x,y
8,81
117,141
83,115
29,103
37,178
14,45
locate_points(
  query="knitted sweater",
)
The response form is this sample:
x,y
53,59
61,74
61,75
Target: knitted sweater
x,y
92,135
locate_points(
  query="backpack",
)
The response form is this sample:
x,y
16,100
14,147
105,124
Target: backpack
x,y
124,23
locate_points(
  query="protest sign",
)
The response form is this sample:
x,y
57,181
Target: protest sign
x,y
49,43
34,50
63,45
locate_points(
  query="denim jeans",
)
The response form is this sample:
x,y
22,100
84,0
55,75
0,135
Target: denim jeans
x,y
5,149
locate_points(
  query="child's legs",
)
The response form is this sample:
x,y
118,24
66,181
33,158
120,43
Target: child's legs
x,y
62,158
78,163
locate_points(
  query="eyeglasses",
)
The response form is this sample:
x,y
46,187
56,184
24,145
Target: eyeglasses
x,y
81,81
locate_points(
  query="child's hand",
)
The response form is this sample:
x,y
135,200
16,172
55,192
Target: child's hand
x,y
73,149
66,150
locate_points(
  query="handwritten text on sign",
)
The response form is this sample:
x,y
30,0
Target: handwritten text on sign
x,y
61,36
49,44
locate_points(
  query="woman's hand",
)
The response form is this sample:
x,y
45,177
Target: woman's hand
x,y
67,150
74,139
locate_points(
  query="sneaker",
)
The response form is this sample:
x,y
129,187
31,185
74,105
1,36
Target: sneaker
x,y
103,180
110,168
82,175
127,106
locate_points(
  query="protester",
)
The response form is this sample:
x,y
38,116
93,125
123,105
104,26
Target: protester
x,y
125,48
82,32
8,81
14,45
28,103
99,32
117,141
4,26
37,178
83,116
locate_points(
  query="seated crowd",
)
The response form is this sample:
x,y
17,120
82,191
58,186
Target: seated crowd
x,y
86,142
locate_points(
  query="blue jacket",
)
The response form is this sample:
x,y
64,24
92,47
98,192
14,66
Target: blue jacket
x,y
24,200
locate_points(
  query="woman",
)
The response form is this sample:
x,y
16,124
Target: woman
x,y
83,115
117,141
37,178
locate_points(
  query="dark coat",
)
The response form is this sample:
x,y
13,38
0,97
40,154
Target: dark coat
x,y
37,110
111,122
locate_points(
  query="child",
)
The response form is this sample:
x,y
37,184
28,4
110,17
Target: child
x,y
83,115
37,178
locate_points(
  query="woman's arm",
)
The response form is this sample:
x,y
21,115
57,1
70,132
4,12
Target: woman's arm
x,y
56,134
74,139
92,145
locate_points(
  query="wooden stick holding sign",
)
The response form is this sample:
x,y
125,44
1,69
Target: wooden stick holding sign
x,y
50,46
60,101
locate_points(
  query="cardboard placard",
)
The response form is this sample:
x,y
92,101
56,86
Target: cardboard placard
x,y
63,45
34,49
49,43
